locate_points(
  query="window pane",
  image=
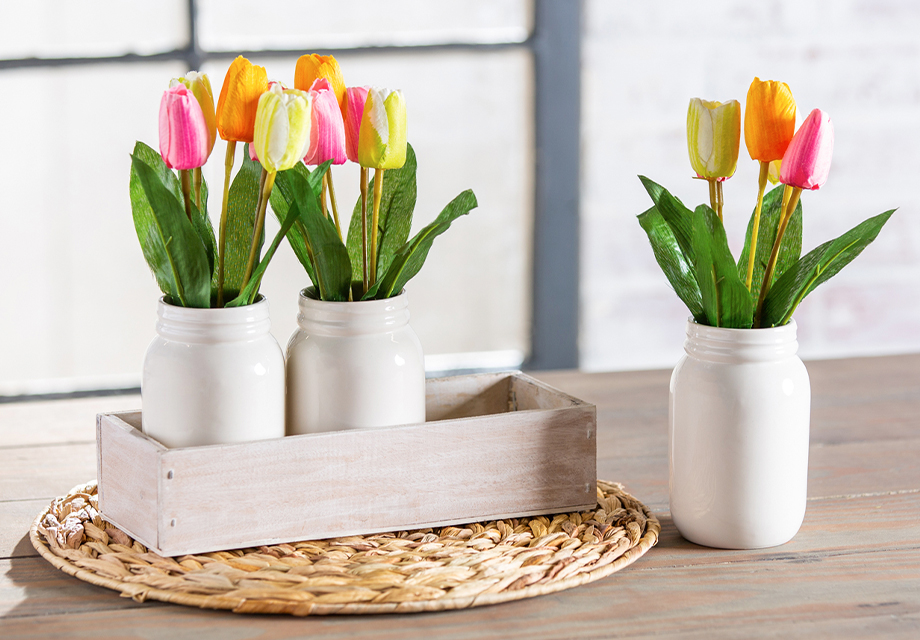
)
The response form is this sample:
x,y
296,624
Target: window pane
x,y
65,28
289,24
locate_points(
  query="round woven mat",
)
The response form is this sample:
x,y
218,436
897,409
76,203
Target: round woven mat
x,y
425,570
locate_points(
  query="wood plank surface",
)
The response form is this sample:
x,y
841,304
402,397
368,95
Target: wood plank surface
x,y
853,571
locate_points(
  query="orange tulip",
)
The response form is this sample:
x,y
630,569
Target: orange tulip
x,y
769,119
239,100
314,66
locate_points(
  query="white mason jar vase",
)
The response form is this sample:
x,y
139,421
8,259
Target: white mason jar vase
x,y
353,365
213,376
739,415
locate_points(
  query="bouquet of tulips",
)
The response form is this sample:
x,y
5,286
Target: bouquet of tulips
x,y
318,123
766,285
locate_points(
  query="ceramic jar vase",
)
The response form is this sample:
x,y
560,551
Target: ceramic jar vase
x,y
353,365
739,416
213,376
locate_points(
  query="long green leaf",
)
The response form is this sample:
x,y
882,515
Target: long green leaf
x,y
170,244
672,261
330,257
726,301
817,267
241,220
397,203
678,216
408,260
789,251
281,199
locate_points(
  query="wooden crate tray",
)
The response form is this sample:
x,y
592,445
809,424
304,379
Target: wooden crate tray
x,y
495,446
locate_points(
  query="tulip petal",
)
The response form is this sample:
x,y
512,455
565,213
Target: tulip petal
x,y
807,161
713,137
355,97
769,119
184,136
282,127
239,100
382,137
327,133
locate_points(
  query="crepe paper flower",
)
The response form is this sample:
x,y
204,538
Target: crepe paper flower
x,y
382,136
713,137
327,131
282,128
200,86
183,130
769,119
313,66
355,97
239,99
807,161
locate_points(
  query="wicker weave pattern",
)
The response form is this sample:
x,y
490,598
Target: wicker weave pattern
x,y
426,570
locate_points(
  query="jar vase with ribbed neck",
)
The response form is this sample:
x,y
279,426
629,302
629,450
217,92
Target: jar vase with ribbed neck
x,y
738,422
213,376
353,365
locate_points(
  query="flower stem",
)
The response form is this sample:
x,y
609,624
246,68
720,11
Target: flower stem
x,y
378,192
196,177
186,191
322,198
789,207
720,201
755,229
364,227
713,196
327,180
268,181
228,169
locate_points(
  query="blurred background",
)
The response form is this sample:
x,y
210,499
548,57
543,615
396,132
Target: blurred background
x,y
547,109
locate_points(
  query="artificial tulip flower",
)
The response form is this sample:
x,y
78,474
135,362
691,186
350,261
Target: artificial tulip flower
x,y
713,137
382,137
200,86
327,130
239,99
313,66
808,159
184,142
282,128
355,97
769,119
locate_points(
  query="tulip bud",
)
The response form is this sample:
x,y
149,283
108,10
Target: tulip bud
x,y
713,137
355,97
807,161
282,128
183,130
773,171
327,131
769,119
239,99
312,67
200,86
382,137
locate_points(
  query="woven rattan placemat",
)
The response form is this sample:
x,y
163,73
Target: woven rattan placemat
x,y
425,570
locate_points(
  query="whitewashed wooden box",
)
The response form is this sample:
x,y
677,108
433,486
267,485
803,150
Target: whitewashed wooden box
x,y
494,446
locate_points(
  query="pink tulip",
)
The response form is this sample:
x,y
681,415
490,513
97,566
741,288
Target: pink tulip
x,y
807,160
184,133
327,134
355,97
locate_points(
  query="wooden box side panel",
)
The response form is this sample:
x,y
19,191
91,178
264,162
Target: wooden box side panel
x,y
529,394
467,396
127,463
366,481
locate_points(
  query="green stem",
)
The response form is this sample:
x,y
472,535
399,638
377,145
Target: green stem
x,y
755,229
186,191
196,177
228,169
327,180
375,221
364,227
268,181
788,209
720,201
713,198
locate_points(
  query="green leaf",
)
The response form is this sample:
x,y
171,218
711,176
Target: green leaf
x,y
397,203
170,244
789,251
281,199
408,260
672,261
726,301
329,255
241,220
678,217
817,267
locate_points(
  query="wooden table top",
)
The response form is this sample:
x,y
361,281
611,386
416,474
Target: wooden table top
x,y
852,571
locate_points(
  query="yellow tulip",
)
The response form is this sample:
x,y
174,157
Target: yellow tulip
x,y
713,137
239,99
282,129
769,119
314,66
382,137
